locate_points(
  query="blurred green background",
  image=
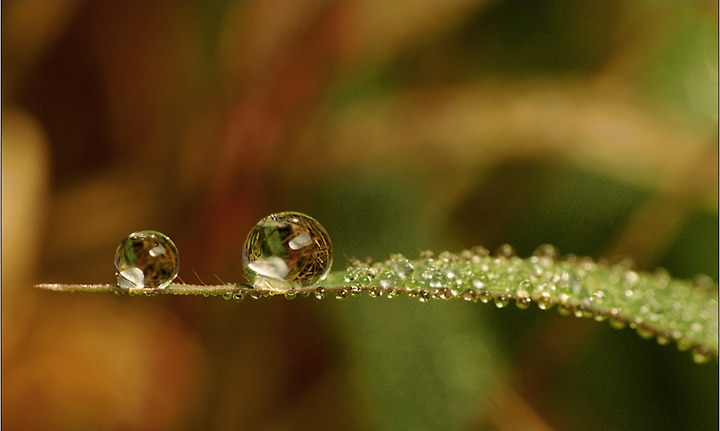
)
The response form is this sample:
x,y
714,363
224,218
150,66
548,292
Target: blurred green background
x,y
401,127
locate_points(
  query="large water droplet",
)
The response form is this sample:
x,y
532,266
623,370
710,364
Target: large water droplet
x,y
146,259
286,250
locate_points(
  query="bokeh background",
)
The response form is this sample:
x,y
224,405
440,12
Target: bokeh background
x,y
401,127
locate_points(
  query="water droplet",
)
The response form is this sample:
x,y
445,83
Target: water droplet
x,y
544,302
525,289
227,296
424,295
444,293
701,354
683,344
400,266
546,254
239,297
289,248
427,255
341,294
523,302
501,301
645,331
320,292
484,296
434,277
616,320
505,251
290,294
146,259
469,295
564,309
663,338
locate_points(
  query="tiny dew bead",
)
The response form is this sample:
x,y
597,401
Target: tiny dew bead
x,y
286,250
146,259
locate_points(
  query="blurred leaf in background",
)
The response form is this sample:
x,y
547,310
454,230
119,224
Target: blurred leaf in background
x,y
401,127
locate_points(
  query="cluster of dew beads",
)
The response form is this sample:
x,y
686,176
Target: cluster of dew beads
x,y
146,259
287,250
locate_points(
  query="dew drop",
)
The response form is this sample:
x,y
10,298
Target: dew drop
x,y
564,309
289,248
320,293
469,295
239,297
424,295
523,302
547,251
227,296
701,354
683,344
544,302
290,294
645,331
146,259
617,321
501,301
506,251
663,338
341,294
484,296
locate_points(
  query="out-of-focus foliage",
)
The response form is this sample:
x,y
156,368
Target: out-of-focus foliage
x,y
401,126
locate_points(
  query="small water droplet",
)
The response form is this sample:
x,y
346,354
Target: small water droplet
x,y
433,277
645,331
146,259
501,301
506,251
546,255
663,338
684,344
469,295
375,292
564,309
355,290
544,302
480,251
427,255
239,297
444,293
227,296
341,294
320,292
424,295
616,320
523,303
484,296
701,354
525,289
290,248
703,282
290,294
